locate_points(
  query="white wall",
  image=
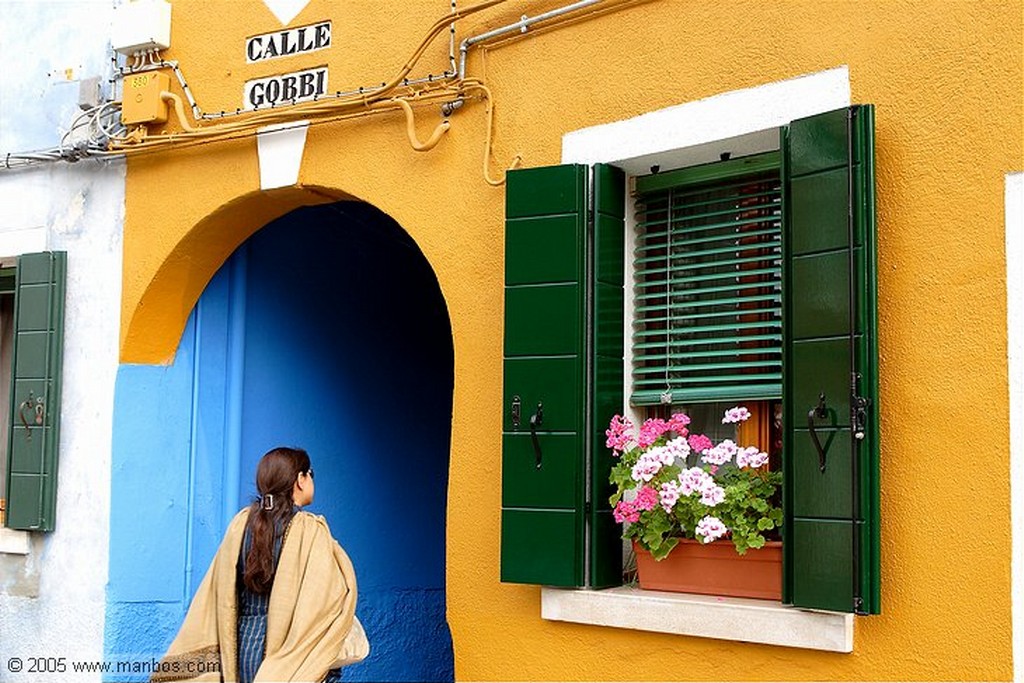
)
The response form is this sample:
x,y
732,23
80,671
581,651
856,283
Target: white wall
x,y
1015,344
55,607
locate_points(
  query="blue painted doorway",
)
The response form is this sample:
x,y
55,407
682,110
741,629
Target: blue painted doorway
x,y
325,330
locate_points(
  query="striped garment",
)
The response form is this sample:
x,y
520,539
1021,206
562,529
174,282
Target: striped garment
x,y
252,616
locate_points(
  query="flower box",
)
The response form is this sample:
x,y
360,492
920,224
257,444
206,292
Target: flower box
x,y
714,569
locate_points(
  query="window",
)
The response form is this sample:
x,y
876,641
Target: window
x,y
708,283
563,378
31,349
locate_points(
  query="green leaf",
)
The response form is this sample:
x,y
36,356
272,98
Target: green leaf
x,y
652,539
756,541
764,524
662,552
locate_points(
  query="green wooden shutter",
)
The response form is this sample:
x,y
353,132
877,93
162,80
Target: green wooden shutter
x,y
35,391
708,299
831,348
560,276
605,325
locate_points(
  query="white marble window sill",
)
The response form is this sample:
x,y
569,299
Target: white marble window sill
x,y
14,542
753,621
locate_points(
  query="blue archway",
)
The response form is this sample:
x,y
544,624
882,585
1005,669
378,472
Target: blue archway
x,y
326,329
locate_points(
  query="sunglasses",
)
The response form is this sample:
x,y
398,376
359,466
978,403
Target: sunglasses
x,y
310,472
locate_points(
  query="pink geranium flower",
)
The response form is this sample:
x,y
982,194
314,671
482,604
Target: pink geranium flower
x,y
669,494
678,450
712,494
710,528
650,431
677,423
619,433
751,457
646,499
720,454
693,479
700,443
625,512
737,414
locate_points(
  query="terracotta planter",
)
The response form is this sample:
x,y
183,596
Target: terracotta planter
x,y
714,569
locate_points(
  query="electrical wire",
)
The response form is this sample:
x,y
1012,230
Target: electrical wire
x,y
260,116
105,136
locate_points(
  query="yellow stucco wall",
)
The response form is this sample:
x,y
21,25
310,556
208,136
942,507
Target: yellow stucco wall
x,y
946,78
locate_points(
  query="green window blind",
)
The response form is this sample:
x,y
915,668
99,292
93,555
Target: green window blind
x,y
35,391
707,283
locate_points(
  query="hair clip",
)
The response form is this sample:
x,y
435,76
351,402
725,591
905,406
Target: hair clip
x,y
268,501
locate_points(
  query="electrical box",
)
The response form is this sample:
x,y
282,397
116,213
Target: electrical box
x,y
142,102
141,25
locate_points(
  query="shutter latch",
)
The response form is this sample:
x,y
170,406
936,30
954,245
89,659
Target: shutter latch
x,y
517,412
860,416
33,405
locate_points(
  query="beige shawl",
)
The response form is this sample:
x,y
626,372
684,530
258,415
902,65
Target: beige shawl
x,y
312,606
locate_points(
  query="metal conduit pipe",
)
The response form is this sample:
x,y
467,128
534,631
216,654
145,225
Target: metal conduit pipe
x,y
522,25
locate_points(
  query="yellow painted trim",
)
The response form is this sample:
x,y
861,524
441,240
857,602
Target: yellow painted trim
x,y
152,331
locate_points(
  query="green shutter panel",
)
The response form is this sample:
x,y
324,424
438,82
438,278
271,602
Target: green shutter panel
x,y
831,446
560,270
605,325
35,391
708,299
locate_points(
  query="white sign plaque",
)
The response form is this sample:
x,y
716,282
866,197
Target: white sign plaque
x,y
293,41
298,86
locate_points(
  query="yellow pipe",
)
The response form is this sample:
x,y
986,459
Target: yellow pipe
x,y
478,85
154,143
179,109
410,130
192,136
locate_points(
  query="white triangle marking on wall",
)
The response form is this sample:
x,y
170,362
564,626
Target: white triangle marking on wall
x,y
280,150
285,10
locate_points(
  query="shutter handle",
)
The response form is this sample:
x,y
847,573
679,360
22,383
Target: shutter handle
x,y
33,405
819,411
536,420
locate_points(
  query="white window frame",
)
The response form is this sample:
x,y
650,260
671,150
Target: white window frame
x,y
744,122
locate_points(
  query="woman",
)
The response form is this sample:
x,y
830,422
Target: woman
x,y
279,598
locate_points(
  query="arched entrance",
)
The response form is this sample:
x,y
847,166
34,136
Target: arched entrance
x,y
325,329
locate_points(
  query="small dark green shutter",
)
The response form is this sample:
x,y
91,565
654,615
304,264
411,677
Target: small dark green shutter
x,y
560,270
831,348
35,391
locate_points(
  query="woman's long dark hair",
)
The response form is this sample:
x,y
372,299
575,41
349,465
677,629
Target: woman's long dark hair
x,y
275,476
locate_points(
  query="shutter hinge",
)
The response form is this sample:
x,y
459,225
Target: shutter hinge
x,y
858,605
586,508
